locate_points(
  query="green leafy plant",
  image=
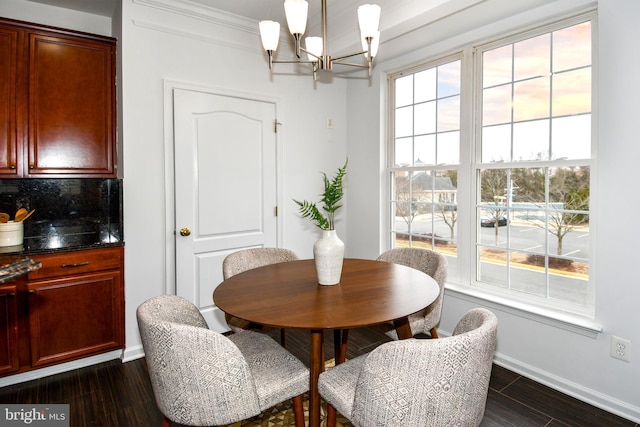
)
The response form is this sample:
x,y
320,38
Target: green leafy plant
x,y
330,201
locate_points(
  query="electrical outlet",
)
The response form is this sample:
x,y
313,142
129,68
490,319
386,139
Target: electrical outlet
x,y
621,348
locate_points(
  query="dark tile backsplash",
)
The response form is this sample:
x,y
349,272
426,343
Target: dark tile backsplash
x,y
68,212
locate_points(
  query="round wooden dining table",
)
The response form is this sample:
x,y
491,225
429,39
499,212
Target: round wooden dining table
x,y
287,295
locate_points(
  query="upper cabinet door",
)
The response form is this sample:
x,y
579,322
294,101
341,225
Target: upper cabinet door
x,y
8,102
71,114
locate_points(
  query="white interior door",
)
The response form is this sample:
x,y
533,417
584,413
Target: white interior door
x,y
225,188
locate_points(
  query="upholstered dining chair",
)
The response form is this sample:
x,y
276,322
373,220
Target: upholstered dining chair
x,y
417,382
201,378
247,259
435,265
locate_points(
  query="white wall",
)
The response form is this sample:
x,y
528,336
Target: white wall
x,y
558,356
55,16
190,47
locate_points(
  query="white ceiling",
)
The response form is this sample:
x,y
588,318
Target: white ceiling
x,y
252,9
398,16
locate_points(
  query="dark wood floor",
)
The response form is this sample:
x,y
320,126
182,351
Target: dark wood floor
x,y
119,394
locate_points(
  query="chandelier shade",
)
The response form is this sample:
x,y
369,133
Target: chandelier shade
x,y
369,19
314,47
296,12
270,35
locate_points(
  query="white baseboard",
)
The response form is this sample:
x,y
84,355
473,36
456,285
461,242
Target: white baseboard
x,y
132,353
584,394
58,369
570,388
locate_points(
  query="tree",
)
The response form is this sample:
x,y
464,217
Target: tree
x,y
571,188
493,184
407,205
449,214
448,210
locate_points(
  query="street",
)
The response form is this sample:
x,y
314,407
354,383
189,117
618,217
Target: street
x,y
521,235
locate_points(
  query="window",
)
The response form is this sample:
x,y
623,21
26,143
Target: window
x,y
425,148
527,198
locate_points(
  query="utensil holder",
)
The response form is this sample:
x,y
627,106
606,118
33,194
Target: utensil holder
x,y
11,233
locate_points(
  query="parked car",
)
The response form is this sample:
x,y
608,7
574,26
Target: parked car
x,y
489,221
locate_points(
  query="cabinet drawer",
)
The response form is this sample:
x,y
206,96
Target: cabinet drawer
x,y
77,262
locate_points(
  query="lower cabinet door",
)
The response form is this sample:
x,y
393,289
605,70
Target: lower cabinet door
x,y
75,317
9,347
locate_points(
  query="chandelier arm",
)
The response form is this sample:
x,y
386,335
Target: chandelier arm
x,y
310,53
293,61
340,58
352,64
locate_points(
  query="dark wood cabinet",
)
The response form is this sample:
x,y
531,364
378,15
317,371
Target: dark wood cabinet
x,y
10,164
57,102
9,348
72,307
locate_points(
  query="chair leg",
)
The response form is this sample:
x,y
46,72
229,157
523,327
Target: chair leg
x,y
340,340
331,416
434,332
166,422
283,337
298,411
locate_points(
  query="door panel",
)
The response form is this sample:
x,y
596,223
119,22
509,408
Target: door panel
x,y
74,316
225,188
8,103
244,151
71,110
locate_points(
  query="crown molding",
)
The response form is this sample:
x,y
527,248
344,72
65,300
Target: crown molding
x,y
202,12
195,36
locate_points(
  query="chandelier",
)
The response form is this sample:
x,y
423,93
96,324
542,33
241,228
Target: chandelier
x,y
316,47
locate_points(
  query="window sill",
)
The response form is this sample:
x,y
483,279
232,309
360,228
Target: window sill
x,y
568,322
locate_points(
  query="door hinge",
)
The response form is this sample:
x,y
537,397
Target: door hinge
x,y
276,210
275,125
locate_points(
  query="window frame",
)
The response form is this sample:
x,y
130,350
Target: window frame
x,y
470,163
391,168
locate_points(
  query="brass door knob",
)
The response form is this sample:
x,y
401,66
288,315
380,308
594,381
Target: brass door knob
x,y
184,231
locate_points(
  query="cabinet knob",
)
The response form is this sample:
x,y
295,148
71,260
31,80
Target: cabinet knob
x,y
184,231
12,167
12,294
32,166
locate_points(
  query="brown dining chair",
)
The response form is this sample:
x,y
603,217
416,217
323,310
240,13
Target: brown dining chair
x,y
435,265
202,378
247,259
417,382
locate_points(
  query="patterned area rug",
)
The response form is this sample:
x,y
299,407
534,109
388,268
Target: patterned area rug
x,y
282,414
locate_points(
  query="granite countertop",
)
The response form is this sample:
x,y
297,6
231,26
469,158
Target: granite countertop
x,y
53,237
45,236
13,267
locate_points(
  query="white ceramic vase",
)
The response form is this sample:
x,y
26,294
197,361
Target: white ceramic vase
x,y
328,253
